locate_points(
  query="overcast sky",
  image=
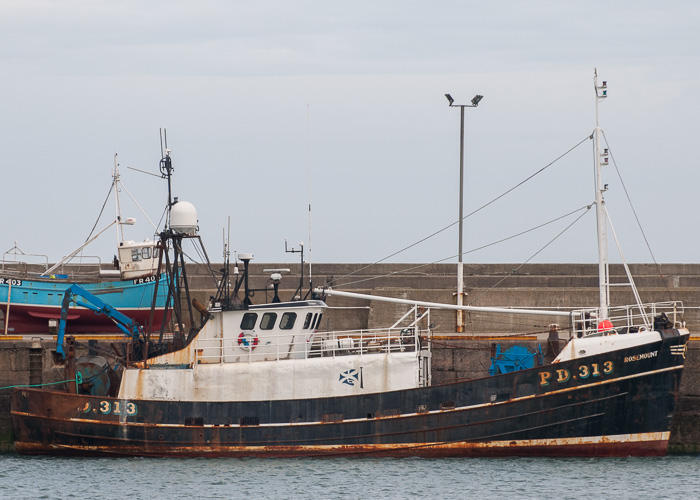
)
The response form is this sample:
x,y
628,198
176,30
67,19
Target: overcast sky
x,y
268,103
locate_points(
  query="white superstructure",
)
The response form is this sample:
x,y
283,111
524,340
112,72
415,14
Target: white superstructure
x,y
275,352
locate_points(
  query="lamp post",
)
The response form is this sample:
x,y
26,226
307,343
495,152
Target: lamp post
x,y
460,265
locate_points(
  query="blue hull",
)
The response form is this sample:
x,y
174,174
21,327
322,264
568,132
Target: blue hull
x,y
34,302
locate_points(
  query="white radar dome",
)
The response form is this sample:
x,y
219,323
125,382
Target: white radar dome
x,y
183,218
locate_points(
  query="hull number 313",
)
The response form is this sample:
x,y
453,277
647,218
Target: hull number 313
x,y
563,375
112,407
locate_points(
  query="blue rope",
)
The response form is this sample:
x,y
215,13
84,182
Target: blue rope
x,y
78,380
34,385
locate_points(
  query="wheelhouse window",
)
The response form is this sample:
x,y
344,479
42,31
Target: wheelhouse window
x,y
318,321
135,254
307,321
268,321
288,320
248,321
146,253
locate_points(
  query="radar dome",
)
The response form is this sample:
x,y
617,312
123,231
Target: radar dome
x,y
183,218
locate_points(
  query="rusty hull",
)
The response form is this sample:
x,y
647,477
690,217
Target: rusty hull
x,y
604,405
41,430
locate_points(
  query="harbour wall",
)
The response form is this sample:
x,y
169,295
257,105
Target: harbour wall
x,y
31,361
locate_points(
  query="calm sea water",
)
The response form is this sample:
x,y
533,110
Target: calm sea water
x,y
366,479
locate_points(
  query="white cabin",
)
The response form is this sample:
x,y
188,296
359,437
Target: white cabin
x,y
274,352
137,259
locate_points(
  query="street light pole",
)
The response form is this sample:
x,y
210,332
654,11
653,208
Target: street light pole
x,y
460,264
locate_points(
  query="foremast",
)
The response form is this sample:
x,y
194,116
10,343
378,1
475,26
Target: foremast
x,y
600,159
117,204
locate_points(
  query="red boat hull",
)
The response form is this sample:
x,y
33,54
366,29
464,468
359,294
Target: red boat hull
x,y
33,319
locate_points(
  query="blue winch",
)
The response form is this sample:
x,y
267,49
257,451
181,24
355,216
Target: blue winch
x,y
514,359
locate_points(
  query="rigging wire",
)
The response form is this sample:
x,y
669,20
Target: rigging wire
x,y
533,255
202,262
586,207
111,186
588,137
636,217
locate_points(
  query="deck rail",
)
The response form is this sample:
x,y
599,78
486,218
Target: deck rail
x,y
627,319
87,269
281,345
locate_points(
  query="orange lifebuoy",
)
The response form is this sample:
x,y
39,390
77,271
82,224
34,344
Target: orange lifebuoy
x,y
247,340
605,326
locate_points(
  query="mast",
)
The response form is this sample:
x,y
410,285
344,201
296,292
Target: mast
x,y
117,206
601,159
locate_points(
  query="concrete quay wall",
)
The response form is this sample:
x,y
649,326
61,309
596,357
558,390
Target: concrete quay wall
x,y
547,286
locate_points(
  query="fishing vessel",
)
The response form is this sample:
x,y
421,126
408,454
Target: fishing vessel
x,y
263,380
31,294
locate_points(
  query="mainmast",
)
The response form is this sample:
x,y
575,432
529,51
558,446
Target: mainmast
x,y
601,159
117,206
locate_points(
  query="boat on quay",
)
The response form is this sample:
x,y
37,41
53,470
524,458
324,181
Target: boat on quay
x,y
31,293
263,380
34,305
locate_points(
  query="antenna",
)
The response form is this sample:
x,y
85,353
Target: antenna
x,y
224,297
166,168
227,261
308,154
301,276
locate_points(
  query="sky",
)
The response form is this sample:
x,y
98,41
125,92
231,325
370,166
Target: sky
x,y
272,105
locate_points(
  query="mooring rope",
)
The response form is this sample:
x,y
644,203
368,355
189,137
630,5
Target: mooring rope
x,y
37,385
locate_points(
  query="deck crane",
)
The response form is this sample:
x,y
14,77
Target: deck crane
x,y
73,294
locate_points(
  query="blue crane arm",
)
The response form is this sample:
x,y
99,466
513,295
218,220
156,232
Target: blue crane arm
x,y
127,325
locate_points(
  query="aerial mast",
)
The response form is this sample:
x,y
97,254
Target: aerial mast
x,y
117,206
600,160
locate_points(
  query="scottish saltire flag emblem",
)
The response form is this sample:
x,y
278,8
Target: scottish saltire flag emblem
x,y
679,350
349,377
